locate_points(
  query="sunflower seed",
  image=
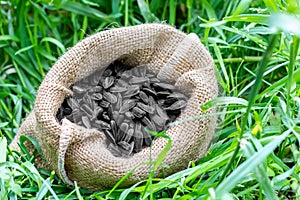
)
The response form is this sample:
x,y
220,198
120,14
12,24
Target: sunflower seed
x,y
138,138
161,112
177,95
163,94
96,89
124,127
151,101
154,80
107,73
113,128
97,111
177,105
128,135
117,89
75,116
146,108
87,100
66,111
105,116
144,97
147,122
78,90
120,119
121,83
129,115
129,148
102,125
138,80
114,149
143,71
126,74
159,121
119,68
149,91
86,122
147,138
96,97
94,80
120,135
73,103
127,105
111,98
164,86
125,145
137,112
87,109
104,104
132,91
109,136
108,82
115,115
119,101
169,101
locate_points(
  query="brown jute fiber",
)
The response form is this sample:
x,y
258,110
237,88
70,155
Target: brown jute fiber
x,y
80,154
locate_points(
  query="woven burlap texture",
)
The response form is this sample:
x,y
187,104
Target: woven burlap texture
x,y
80,154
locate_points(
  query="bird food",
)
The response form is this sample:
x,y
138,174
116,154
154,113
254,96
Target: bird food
x,y
124,103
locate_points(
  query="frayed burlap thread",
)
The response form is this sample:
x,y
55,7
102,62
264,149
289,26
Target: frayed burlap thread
x,y
80,154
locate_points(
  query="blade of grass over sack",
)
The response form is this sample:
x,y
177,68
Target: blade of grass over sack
x,y
246,167
161,156
164,151
254,91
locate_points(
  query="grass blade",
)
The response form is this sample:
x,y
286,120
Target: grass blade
x,y
260,171
224,101
3,144
254,91
246,167
145,11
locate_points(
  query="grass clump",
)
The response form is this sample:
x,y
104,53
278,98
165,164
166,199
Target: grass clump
x,y
255,44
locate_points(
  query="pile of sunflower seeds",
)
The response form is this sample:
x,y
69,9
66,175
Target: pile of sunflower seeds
x,y
122,102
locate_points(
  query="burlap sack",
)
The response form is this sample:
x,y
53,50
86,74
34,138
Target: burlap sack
x,y
79,154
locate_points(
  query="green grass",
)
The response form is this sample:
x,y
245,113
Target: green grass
x,y
255,151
